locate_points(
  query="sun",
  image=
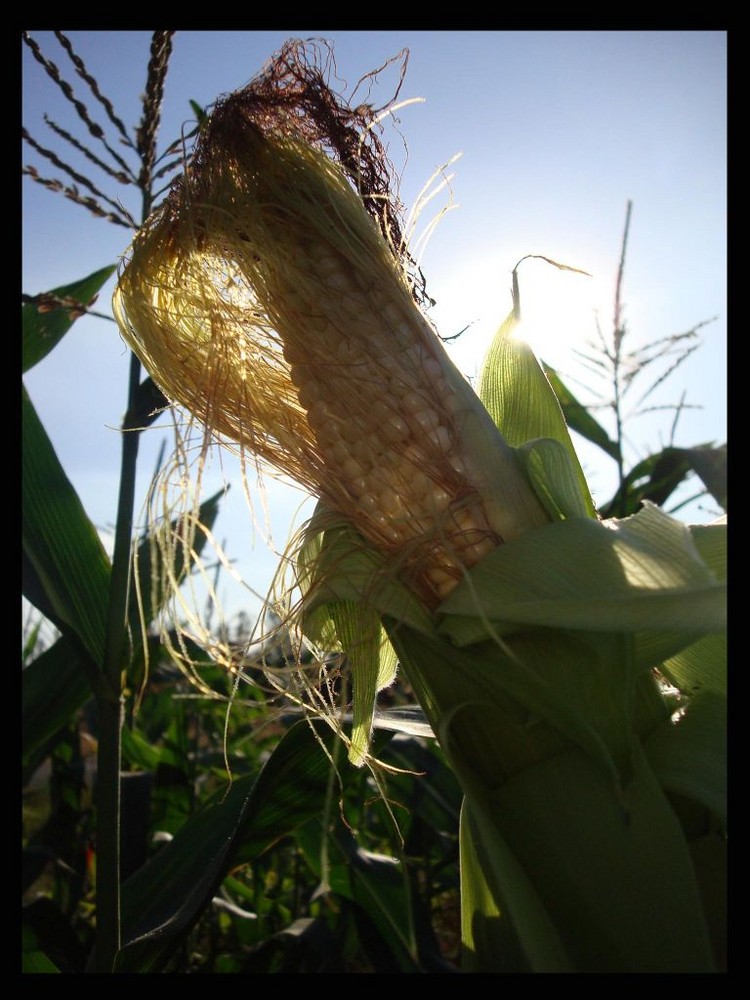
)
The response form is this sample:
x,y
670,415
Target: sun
x,y
559,310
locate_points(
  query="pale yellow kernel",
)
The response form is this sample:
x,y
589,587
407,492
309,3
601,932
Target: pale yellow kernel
x,y
378,413
369,503
365,450
327,263
443,582
426,418
391,504
341,282
310,391
351,469
319,413
479,550
441,438
355,304
420,484
438,498
339,452
412,402
444,589
358,486
456,462
466,519
319,324
292,353
389,530
351,432
395,429
405,333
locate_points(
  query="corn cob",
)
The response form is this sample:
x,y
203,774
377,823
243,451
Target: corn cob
x,y
264,299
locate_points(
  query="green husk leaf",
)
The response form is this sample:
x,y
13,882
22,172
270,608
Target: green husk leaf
x,y
689,755
43,331
711,540
342,568
522,403
522,939
612,870
358,630
640,574
513,702
548,462
594,838
578,417
701,666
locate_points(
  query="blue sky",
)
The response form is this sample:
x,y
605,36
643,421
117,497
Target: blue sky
x,y
556,131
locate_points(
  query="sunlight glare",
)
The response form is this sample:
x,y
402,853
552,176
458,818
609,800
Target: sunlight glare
x,y
559,311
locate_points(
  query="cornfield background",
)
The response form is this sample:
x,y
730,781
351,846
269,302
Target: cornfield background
x,y
300,862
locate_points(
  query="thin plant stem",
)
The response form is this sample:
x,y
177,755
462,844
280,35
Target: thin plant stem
x,y
110,705
618,335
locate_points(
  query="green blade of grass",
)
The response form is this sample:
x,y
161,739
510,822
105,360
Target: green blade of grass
x,y
44,330
60,541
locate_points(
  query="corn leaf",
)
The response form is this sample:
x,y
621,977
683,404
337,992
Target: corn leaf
x,y
711,465
405,721
521,401
578,417
54,685
60,680
376,884
44,330
381,888
700,667
164,898
60,542
33,958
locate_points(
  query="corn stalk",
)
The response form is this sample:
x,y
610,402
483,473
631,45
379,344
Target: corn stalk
x,y
268,297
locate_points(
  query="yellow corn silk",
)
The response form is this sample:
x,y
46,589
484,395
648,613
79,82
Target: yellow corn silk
x,y
266,300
